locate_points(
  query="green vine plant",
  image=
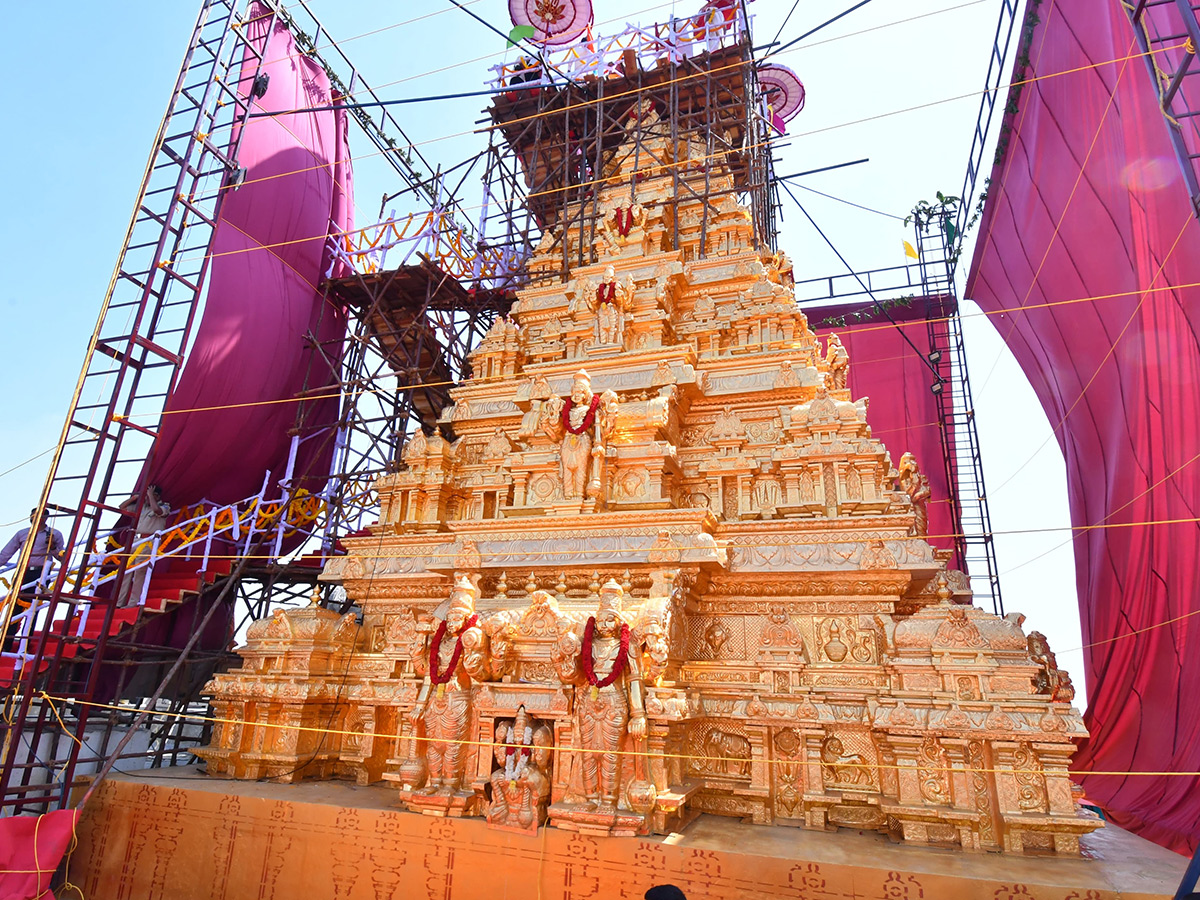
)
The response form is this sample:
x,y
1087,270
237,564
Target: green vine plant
x,y
945,212
925,212
979,204
867,313
1023,62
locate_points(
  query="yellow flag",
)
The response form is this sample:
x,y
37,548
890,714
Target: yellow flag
x,y
909,251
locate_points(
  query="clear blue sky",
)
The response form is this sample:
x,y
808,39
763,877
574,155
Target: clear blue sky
x,y
87,99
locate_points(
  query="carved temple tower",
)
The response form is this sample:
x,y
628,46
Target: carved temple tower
x,y
653,563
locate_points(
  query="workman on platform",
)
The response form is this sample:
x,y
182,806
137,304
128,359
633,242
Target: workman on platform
x,y
48,544
151,519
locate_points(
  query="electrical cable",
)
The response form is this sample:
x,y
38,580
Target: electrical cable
x,y
702,73
538,50
1124,505
877,212
813,31
1062,216
783,25
849,329
584,554
878,116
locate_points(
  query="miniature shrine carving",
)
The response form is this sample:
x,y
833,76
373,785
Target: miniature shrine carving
x,y
685,580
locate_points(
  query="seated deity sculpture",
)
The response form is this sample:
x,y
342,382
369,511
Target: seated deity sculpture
x,y
520,781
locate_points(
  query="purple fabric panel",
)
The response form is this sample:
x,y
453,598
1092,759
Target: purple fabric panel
x,y
1089,203
269,256
903,411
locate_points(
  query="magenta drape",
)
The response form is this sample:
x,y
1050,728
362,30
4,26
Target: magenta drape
x,y
254,349
903,411
1087,201
31,847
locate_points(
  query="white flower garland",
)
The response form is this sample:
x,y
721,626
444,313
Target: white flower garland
x,y
516,763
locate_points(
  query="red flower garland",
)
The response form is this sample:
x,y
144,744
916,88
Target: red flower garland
x,y
624,221
589,667
609,295
588,420
435,649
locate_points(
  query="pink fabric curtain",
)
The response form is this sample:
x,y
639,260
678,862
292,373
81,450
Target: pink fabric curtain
x,y
904,415
1087,201
31,847
254,344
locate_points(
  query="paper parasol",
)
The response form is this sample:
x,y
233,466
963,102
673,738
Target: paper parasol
x,y
555,22
782,89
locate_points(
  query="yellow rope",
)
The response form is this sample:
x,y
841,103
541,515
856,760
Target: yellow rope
x,y
196,717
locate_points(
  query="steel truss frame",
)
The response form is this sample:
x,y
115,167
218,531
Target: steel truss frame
x,y
550,138
1159,26
130,372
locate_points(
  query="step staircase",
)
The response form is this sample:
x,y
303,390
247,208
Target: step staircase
x,y
175,581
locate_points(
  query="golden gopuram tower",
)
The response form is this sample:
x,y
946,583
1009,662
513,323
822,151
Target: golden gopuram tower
x,y
652,564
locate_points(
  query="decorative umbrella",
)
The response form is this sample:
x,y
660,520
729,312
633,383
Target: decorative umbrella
x,y
782,89
555,22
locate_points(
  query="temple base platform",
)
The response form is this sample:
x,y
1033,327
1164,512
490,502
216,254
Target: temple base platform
x,y
182,835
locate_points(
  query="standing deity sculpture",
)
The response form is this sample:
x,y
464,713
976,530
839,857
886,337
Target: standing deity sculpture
x,y
580,425
457,659
838,361
608,299
609,702
520,782
914,483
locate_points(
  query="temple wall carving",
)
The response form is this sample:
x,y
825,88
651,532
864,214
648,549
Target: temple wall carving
x,y
651,563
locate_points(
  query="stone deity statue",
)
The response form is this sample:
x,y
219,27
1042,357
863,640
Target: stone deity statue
x,y
914,483
520,782
608,299
609,701
575,425
457,659
839,363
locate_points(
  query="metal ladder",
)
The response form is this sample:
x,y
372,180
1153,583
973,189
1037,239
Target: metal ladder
x,y
132,367
992,96
1161,27
956,410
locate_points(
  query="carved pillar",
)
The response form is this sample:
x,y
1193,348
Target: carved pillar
x,y
791,487
520,482
908,783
